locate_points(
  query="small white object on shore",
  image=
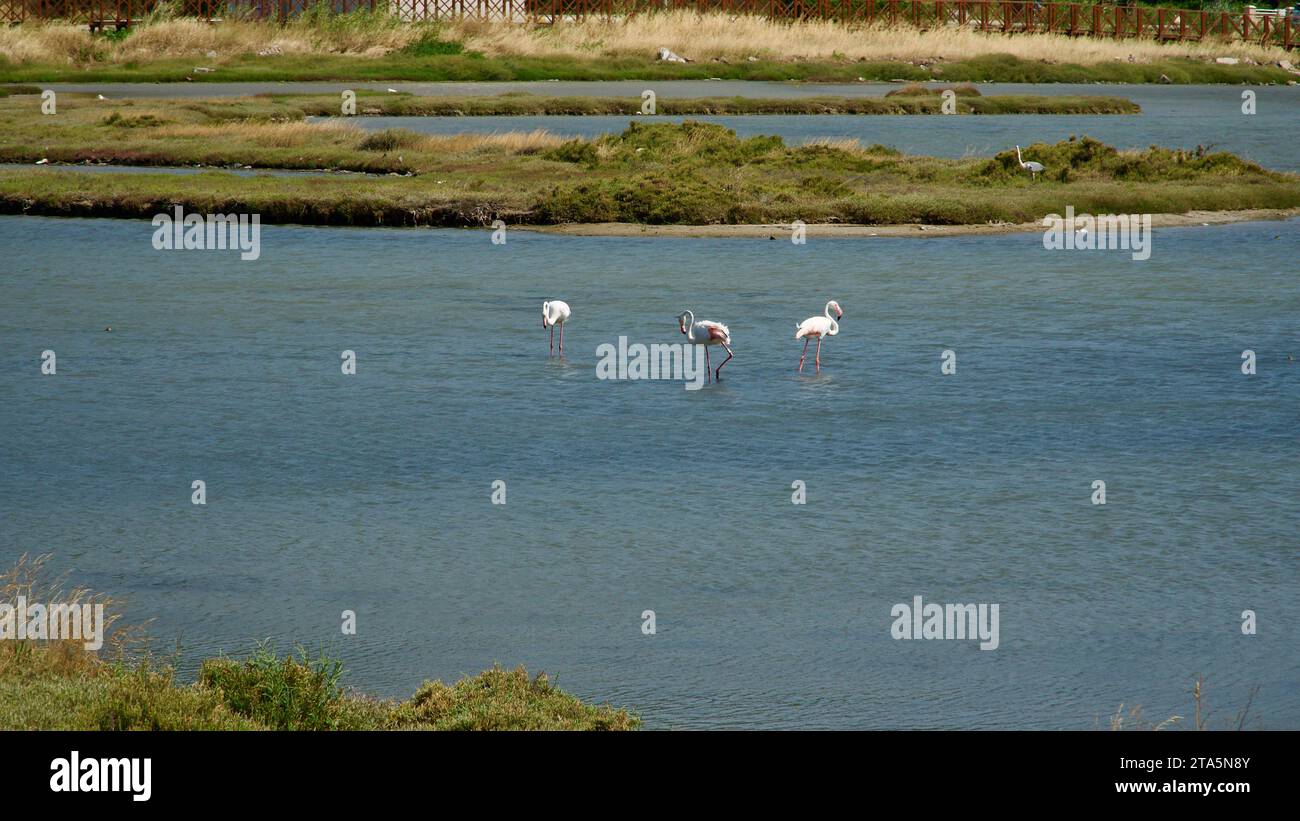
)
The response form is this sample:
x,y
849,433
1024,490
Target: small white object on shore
x,y
668,56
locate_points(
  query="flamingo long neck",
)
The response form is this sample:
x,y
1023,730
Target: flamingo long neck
x,y
835,327
1018,157
828,311
690,324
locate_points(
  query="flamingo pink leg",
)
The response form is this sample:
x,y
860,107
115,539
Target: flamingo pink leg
x,y
707,370
819,354
552,339
718,375
561,339
806,340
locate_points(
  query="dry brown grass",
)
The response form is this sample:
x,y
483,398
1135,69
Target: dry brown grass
x,y
345,134
30,579
342,133
60,42
704,37
41,43
698,37
851,145
192,38
274,135
511,142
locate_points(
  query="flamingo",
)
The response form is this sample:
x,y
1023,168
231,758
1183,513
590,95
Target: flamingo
x,y
706,332
818,326
555,312
1032,167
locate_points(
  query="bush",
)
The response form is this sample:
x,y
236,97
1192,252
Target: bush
x,y
283,694
390,139
1073,158
430,46
498,699
575,151
147,699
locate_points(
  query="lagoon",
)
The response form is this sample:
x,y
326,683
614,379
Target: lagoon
x,y
372,492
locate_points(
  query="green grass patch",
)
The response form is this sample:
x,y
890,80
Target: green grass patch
x,y
434,61
912,99
10,90
265,691
430,45
652,173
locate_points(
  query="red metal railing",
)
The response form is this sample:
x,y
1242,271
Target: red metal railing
x,y
1002,16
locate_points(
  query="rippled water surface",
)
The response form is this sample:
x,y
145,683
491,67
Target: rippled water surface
x,y
371,492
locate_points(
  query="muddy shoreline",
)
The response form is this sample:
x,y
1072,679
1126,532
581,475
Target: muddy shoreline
x,y
910,230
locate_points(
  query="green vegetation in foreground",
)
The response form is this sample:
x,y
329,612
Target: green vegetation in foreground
x,y
655,173
453,65
58,685
46,686
8,91
919,100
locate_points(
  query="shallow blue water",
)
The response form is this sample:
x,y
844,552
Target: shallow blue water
x,y
372,492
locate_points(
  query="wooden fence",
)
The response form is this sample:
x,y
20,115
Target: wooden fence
x,y
999,16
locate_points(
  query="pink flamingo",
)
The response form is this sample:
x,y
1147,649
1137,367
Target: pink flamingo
x,y
818,326
706,332
555,313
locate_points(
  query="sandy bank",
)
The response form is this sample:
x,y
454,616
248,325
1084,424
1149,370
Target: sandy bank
x,y
840,231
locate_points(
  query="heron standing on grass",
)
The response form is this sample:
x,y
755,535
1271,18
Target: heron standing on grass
x,y
1032,167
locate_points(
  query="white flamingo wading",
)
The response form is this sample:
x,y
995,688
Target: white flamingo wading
x,y
706,332
816,327
1034,168
555,312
